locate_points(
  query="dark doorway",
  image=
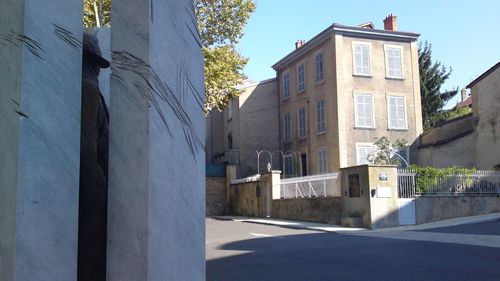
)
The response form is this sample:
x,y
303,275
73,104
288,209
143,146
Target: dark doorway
x,y
303,163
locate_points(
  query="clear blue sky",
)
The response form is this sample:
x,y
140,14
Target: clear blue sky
x,y
465,34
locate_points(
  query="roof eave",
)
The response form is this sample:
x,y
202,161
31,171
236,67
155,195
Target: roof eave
x,y
349,31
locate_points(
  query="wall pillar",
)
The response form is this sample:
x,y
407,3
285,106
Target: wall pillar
x,y
369,196
40,100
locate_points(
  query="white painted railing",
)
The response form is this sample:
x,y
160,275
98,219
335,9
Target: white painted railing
x,y
477,182
324,185
406,183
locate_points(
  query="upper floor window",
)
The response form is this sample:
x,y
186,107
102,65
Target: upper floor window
x,y
361,59
397,112
320,116
301,78
322,161
288,128
363,111
319,67
302,130
364,152
286,85
393,61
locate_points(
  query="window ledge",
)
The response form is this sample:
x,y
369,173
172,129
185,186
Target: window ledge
x,y
320,82
302,138
320,133
301,91
362,75
288,142
365,128
286,99
398,130
395,78
229,120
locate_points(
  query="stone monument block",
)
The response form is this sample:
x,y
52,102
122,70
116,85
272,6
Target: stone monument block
x,y
40,81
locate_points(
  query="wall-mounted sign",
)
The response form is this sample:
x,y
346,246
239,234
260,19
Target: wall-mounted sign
x,y
354,185
384,192
382,177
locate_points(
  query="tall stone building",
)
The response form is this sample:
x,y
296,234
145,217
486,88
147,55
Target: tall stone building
x,y
333,96
342,90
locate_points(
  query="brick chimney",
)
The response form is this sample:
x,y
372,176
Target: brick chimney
x,y
465,94
391,23
299,43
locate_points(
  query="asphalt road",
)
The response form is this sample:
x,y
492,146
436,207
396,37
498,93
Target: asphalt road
x,y
247,251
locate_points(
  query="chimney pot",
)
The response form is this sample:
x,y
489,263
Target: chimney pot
x,y
390,23
299,43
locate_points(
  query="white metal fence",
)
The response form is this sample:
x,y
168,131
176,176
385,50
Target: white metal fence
x,y
477,182
406,183
325,185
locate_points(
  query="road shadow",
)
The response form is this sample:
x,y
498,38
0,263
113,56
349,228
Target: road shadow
x,y
330,256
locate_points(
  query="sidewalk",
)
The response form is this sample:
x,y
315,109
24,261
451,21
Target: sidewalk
x,y
338,228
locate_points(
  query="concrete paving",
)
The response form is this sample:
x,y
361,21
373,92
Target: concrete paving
x,y
263,249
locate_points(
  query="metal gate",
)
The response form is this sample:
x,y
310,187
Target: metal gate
x,y
406,196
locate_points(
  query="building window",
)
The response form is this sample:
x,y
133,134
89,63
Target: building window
x,y
361,59
364,153
397,113
289,166
286,86
319,67
322,161
230,109
393,61
320,116
301,78
229,141
288,128
302,130
363,111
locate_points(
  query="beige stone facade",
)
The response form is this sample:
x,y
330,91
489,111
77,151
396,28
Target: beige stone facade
x,y
249,124
356,94
486,109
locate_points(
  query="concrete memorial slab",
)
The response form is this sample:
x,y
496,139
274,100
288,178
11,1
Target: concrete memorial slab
x,y
156,194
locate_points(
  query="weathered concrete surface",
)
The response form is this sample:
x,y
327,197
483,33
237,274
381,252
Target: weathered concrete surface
x,y
324,210
215,196
435,208
157,183
245,199
486,107
40,81
450,144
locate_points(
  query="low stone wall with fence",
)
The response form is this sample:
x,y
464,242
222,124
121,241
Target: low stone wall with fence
x,y
314,199
450,193
435,208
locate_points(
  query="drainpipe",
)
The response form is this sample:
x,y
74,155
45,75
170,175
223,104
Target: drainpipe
x,y
309,136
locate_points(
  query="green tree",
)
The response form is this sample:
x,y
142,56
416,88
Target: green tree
x,y
386,151
432,77
103,9
221,23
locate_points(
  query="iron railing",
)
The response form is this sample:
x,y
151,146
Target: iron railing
x,y
476,182
324,185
